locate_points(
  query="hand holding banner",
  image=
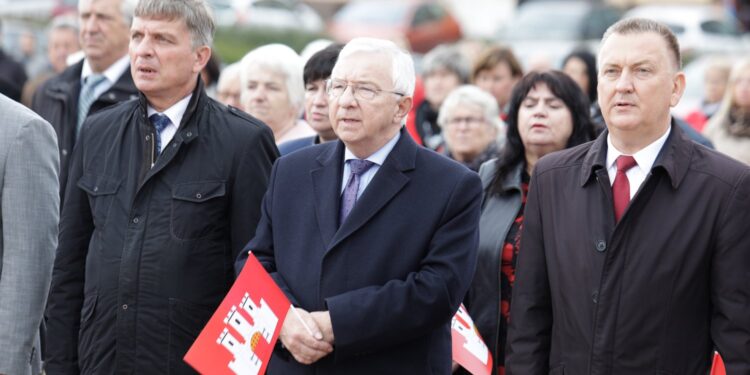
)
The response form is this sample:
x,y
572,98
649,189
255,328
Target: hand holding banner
x,y
469,350
240,336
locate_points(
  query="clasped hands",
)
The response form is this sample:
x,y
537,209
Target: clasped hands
x,y
304,347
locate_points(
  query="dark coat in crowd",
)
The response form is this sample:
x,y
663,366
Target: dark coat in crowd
x,y
146,253
499,211
57,102
650,294
12,77
391,287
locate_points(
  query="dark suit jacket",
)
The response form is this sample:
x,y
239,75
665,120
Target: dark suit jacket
x,y
57,102
146,253
392,275
651,294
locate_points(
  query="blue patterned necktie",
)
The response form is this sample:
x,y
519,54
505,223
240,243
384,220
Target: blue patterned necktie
x,y
87,97
357,167
160,122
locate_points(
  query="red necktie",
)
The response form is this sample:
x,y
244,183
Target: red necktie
x,y
621,186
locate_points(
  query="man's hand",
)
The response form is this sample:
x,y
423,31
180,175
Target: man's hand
x,y
305,348
323,319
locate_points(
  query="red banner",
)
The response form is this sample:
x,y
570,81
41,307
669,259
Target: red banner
x,y
240,336
469,350
718,366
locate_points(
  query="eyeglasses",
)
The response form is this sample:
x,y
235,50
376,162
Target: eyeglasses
x,y
468,120
335,88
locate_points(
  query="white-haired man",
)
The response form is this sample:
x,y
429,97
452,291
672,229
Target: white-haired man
x,y
163,194
371,237
100,80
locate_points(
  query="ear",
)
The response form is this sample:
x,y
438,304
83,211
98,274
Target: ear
x,y
678,88
404,106
202,54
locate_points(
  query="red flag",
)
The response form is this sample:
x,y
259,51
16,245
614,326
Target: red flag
x,y
240,336
718,367
468,348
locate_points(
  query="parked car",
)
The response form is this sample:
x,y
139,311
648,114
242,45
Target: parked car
x,y
554,28
699,29
419,24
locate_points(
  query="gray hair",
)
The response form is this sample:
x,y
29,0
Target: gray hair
x,y
446,57
643,25
196,14
64,22
283,60
127,8
402,65
470,94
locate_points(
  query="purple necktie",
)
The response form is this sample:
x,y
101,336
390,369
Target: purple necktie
x,y
357,167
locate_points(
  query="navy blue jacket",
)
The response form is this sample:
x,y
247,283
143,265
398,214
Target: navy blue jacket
x,y
392,275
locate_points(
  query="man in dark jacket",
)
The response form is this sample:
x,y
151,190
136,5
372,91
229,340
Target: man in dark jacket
x,y
635,250
104,35
163,194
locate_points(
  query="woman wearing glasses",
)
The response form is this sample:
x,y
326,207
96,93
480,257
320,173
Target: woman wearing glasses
x,y
471,126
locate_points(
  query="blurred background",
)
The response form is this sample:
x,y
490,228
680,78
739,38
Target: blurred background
x,y
540,32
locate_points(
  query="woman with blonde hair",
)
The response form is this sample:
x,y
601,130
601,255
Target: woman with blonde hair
x,y
729,128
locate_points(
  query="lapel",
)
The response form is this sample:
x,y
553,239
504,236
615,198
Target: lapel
x,y
326,183
388,181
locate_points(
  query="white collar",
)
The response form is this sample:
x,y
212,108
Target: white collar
x,y
175,112
113,72
378,157
645,157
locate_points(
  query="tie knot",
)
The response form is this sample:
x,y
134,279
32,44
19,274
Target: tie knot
x,y
159,121
359,166
625,162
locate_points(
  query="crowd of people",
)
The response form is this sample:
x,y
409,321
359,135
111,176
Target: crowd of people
x,y
585,228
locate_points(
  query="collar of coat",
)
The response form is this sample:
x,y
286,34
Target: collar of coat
x,y
187,130
69,80
674,157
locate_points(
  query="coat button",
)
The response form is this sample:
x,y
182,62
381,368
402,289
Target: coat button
x,y
64,152
136,220
125,307
96,188
189,134
595,297
148,137
198,195
601,246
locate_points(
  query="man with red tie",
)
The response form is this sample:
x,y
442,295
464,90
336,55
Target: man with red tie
x,y
635,252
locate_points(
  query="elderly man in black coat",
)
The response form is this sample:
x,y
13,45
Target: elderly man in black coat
x,y
635,250
163,193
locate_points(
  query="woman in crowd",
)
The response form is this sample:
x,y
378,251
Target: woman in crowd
x,y
548,112
581,66
443,69
471,126
317,71
715,79
272,90
496,71
729,128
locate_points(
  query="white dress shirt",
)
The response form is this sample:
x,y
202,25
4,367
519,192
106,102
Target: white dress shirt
x,y
645,159
378,157
112,74
175,114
